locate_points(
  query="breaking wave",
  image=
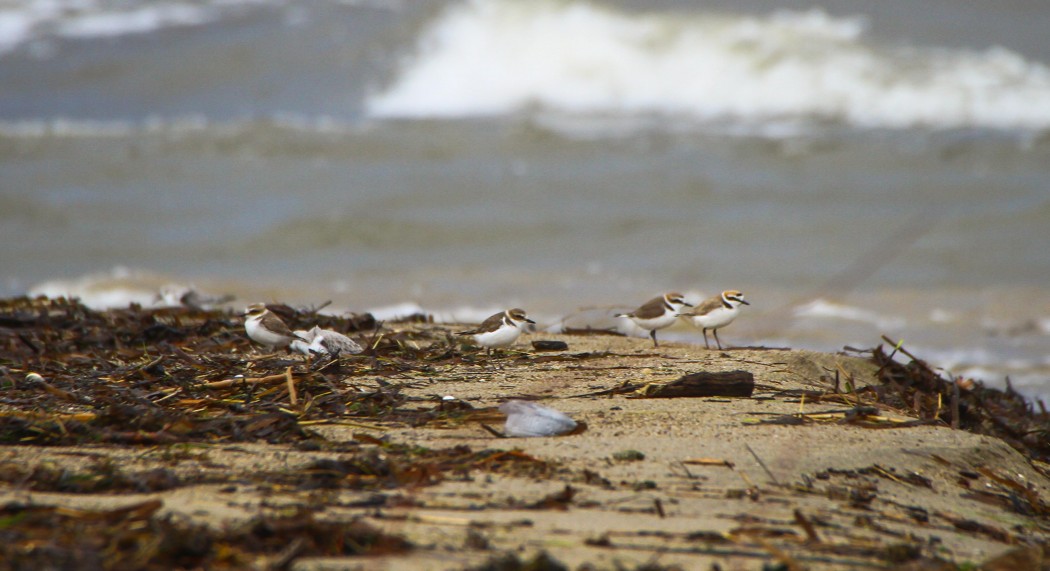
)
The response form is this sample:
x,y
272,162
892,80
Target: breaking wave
x,y
492,57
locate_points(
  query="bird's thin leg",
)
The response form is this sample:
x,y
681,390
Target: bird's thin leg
x,y
715,331
653,335
706,344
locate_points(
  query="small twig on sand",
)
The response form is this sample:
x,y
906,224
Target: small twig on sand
x,y
780,555
29,415
955,405
707,462
659,506
49,388
248,381
762,464
293,398
807,526
314,309
899,346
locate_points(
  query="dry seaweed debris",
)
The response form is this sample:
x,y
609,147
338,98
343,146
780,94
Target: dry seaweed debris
x,y
917,389
971,406
139,537
104,475
864,416
395,466
360,468
71,375
510,561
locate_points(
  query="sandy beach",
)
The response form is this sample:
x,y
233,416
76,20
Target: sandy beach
x,y
872,175
393,443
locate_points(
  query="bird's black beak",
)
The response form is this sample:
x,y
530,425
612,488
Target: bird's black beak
x,y
744,301
527,320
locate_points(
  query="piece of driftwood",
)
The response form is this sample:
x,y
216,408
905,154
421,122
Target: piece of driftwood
x,y
708,462
550,345
704,384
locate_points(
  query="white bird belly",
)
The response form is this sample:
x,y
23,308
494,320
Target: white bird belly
x,y
655,323
717,318
501,337
264,336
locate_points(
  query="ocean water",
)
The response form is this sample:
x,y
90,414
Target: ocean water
x,y
858,169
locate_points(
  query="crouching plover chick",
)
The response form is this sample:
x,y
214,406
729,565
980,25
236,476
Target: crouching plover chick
x,y
499,330
657,313
317,341
265,328
716,312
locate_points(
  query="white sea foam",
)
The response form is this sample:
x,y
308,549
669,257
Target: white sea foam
x,y
1031,385
23,22
490,57
938,315
16,26
956,360
122,286
115,288
66,128
138,20
821,308
70,128
396,311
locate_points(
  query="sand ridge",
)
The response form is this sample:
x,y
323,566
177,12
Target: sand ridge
x,y
686,482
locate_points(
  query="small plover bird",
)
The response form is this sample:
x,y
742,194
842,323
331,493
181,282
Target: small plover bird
x,y
716,312
317,341
499,330
657,313
265,328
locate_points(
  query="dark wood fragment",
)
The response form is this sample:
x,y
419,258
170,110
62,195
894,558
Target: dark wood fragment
x,y
550,345
706,384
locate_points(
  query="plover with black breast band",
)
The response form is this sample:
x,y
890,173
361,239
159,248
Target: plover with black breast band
x,y
499,330
265,328
716,312
657,313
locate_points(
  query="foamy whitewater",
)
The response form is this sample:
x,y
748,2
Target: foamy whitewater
x,y
492,58
855,173
37,21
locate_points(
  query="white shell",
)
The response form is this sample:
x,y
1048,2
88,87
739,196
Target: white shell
x,y
525,418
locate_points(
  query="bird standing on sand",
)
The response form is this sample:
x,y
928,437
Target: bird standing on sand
x,y
265,328
657,313
499,330
716,312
